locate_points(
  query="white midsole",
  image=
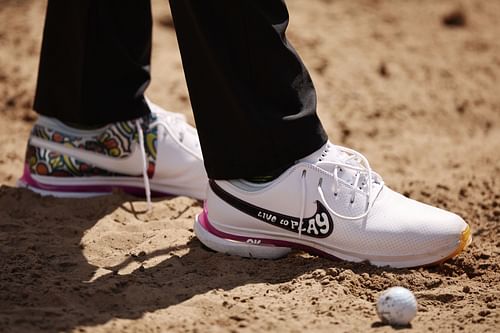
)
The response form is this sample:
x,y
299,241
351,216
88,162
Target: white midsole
x,y
60,194
238,248
103,181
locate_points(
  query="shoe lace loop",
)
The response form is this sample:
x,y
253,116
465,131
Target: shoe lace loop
x,y
356,162
350,160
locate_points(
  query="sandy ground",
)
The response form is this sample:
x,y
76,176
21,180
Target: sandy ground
x,y
420,98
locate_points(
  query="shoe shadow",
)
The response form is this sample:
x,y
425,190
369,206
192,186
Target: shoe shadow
x,y
47,283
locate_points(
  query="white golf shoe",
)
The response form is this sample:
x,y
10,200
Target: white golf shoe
x,y
157,154
330,203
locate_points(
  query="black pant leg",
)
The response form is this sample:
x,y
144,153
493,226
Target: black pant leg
x,y
253,99
95,59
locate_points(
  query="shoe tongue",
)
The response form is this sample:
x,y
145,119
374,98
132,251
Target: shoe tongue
x,y
329,153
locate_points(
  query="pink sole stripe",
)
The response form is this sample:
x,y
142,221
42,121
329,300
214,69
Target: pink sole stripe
x,y
28,179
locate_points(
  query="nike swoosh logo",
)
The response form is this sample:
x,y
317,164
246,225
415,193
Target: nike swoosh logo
x,y
319,225
130,165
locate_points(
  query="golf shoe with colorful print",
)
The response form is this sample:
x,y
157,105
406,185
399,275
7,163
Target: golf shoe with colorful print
x,y
157,154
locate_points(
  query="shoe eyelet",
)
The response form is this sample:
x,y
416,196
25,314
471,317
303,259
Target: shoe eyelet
x,y
335,194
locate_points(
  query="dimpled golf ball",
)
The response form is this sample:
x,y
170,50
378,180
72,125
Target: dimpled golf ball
x,y
397,306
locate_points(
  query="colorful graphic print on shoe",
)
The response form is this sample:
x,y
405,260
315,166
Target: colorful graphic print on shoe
x,y
115,141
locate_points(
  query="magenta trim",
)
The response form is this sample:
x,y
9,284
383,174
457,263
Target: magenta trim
x,y
205,223
137,191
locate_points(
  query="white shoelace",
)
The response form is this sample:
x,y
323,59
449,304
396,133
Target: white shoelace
x,y
351,160
173,123
145,177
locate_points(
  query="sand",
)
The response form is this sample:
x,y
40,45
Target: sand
x,y
413,85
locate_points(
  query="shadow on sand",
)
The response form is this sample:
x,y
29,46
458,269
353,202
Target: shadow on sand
x,y
44,275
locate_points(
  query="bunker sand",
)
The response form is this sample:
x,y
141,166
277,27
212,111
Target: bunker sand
x,y
413,85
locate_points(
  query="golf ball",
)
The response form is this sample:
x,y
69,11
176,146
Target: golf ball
x,y
397,306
